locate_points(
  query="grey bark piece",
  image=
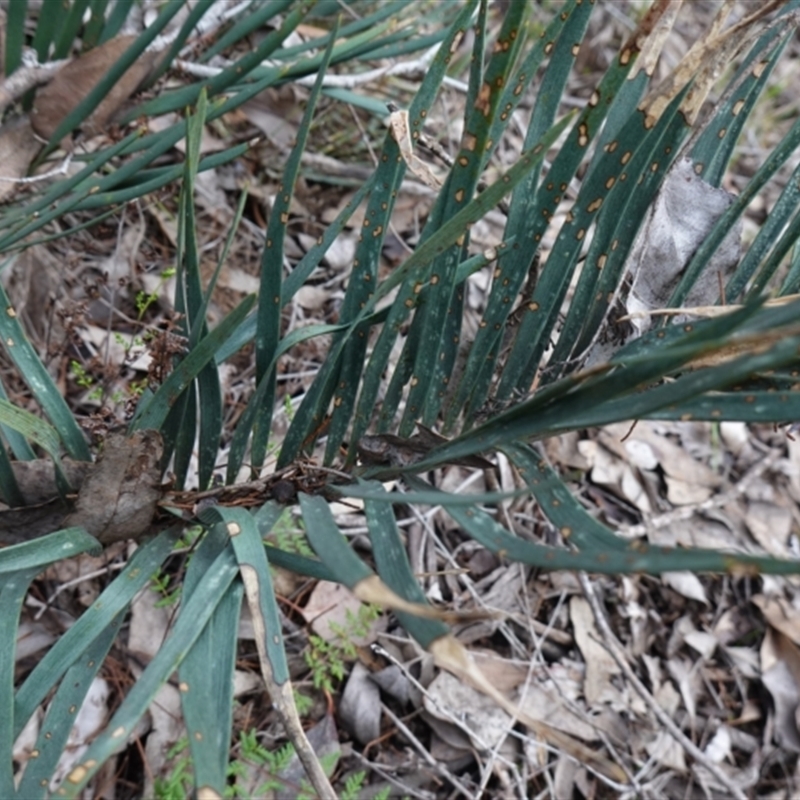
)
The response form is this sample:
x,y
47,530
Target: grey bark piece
x,y
675,226
684,213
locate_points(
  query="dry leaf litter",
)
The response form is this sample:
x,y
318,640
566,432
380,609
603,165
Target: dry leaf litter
x,y
692,683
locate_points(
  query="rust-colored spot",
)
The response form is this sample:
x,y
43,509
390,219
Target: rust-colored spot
x,y
625,57
722,133
548,48
580,234
594,205
533,306
650,121
737,107
414,381
460,196
463,161
518,90
11,312
610,182
583,134
78,774
575,49
482,102
434,280
470,142
698,168
759,68
594,99
615,244
601,261
612,146
654,167
378,231
750,399
626,157
566,532
284,218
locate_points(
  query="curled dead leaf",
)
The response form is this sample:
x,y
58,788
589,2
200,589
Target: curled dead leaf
x,y
118,498
76,79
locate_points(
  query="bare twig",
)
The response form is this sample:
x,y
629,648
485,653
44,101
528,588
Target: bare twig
x,y
420,748
22,80
283,697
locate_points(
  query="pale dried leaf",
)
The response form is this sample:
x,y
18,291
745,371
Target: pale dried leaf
x,y
449,697
166,729
120,265
148,627
667,752
689,681
704,643
779,680
87,723
600,664
360,707
770,525
401,133
781,614
687,584
26,741
276,113
719,748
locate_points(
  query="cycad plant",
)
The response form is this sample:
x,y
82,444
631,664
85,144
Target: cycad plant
x,y
573,333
